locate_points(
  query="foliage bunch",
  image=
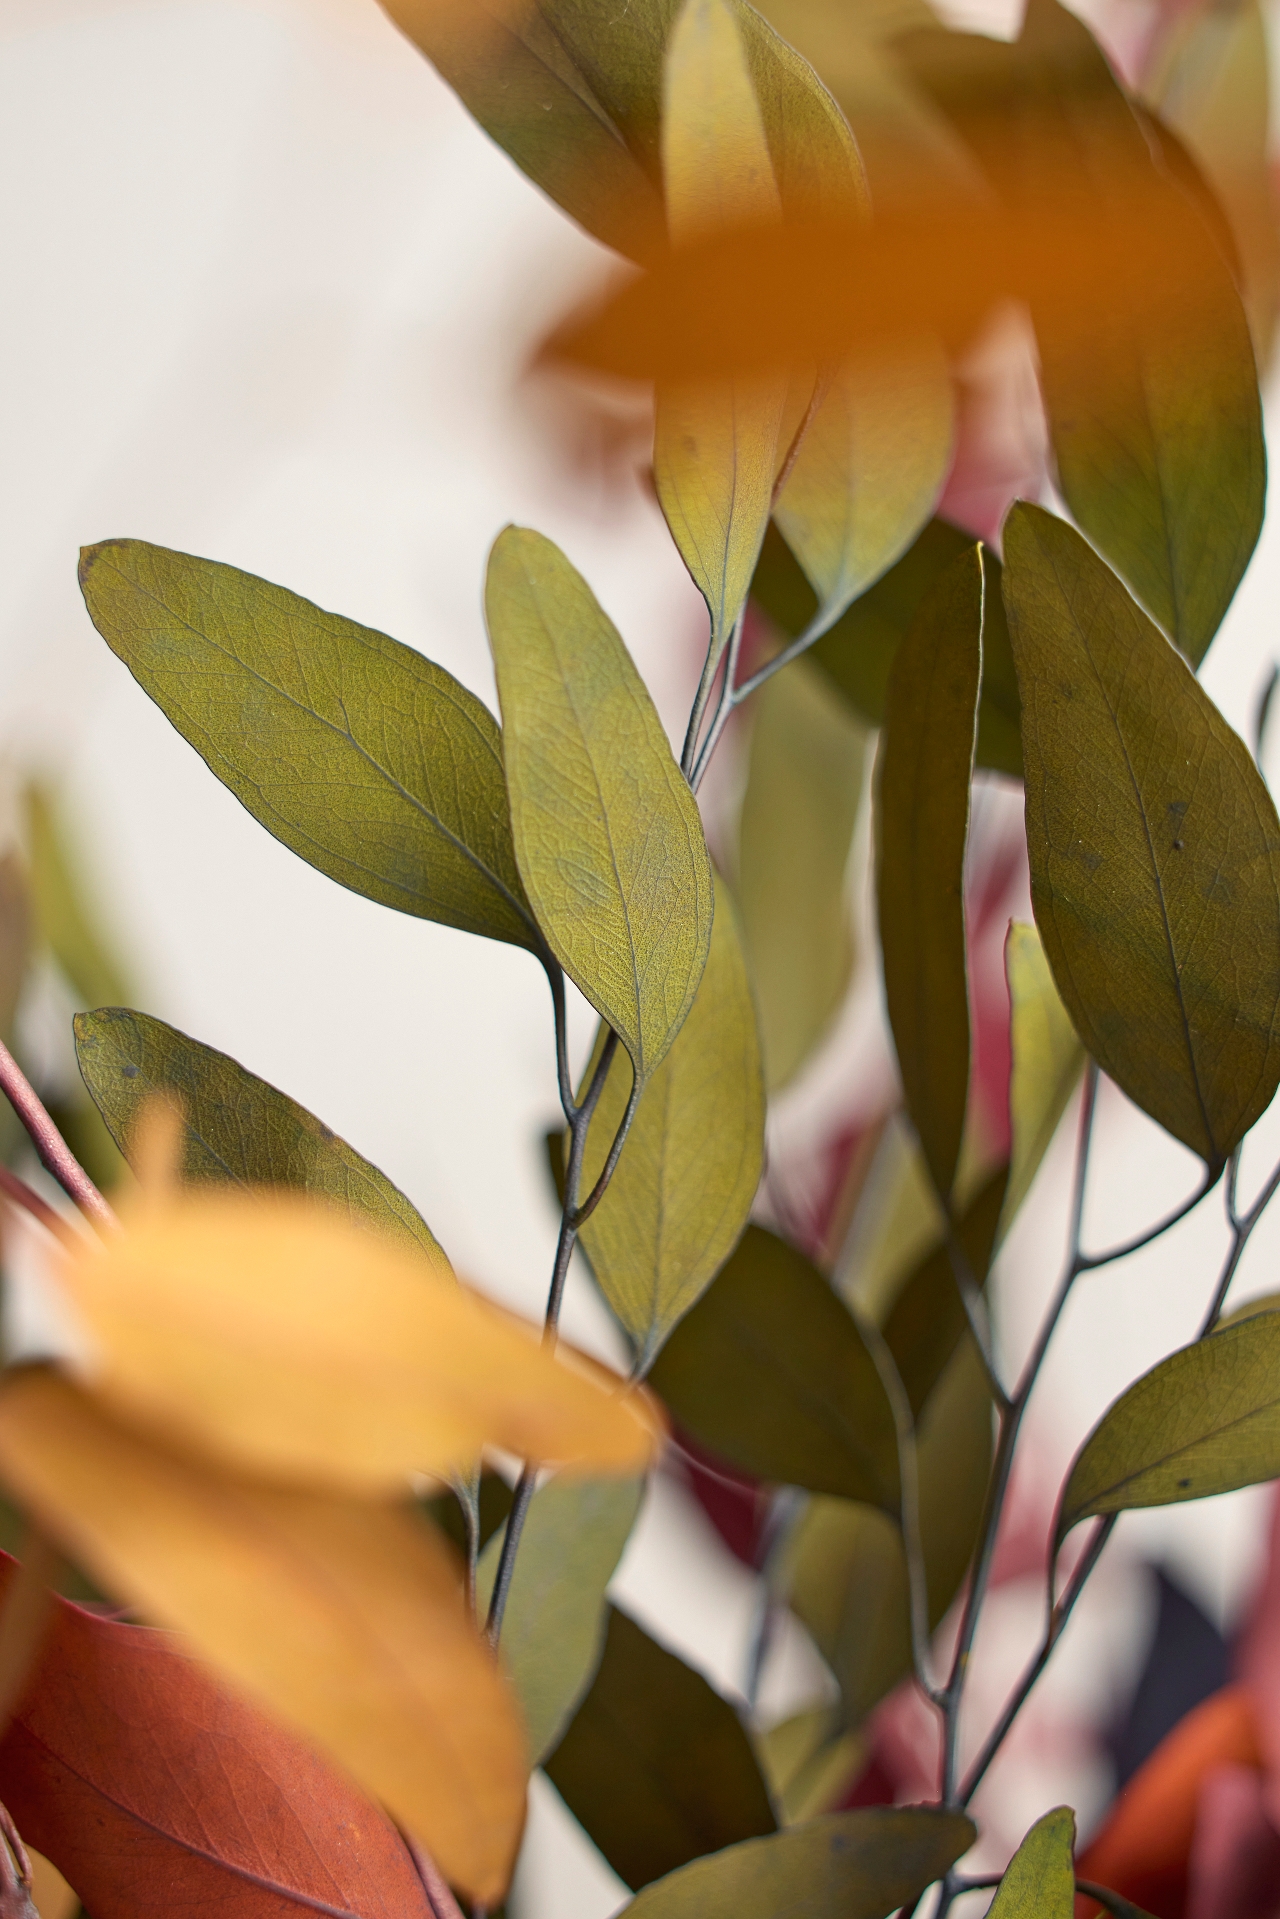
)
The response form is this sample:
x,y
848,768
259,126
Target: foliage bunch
x,y
273,1373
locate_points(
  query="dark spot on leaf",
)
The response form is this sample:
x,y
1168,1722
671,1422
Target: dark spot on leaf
x,y
1183,1484
1176,810
130,1072
1177,846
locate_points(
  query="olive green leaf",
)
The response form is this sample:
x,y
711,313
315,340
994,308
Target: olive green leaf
x,y
656,1766
803,792
1260,1303
922,819
770,1372
809,1763
846,1865
553,1629
511,71
365,759
1154,844
1047,1058
1203,1421
715,445
845,1572
683,1189
64,922
1039,1881
927,1319
236,1127
607,833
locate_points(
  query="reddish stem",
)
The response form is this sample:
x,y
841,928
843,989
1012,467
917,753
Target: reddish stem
x,y
55,1155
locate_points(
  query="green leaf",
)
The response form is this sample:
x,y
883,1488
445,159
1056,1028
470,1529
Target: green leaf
x,y
1206,1420
64,921
927,1320
770,1372
684,1186
844,1565
657,1766
607,833
487,1496
1154,844
1047,1058
922,823
236,1127
1039,1881
803,793
510,70
847,1865
553,1630
859,650
809,1763
366,760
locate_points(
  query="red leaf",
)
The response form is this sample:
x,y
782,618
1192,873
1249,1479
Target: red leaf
x,y
158,1795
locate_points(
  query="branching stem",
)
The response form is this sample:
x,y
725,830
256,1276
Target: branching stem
x,y
54,1154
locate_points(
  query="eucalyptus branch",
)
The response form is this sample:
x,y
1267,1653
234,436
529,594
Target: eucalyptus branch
x,y
1089,1262
18,1193
975,1312
54,1154
1242,1225
697,713
724,705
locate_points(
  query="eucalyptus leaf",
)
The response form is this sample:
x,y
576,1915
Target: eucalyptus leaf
x,y
553,1629
656,1766
1047,1060
365,759
922,820
684,1186
809,1763
1154,844
803,793
927,1320
770,1372
607,833
65,922
1206,1420
846,1865
1039,1881
236,1128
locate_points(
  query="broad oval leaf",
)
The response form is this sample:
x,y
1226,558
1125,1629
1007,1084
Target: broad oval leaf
x,y
345,1618
656,1766
804,789
847,1865
1039,1881
235,1127
607,833
1047,1058
922,820
154,1790
1206,1420
683,1188
770,1372
364,758
1154,844
554,1624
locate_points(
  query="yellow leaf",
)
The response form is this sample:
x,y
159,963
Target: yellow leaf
x,y
273,1334
343,1618
1047,1058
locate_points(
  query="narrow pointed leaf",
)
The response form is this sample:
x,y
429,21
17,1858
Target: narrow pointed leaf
x,y
770,1372
607,833
365,759
553,1628
64,920
922,825
927,1320
1206,1420
344,1618
847,1865
656,1766
684,1186
1039,1881
1155,847
1047,1058
236,1128
804,790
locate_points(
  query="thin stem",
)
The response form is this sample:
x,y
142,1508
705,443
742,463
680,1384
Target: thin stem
x,y
1089,1262
555,980
441,1901
697,713
975,1311
20,1194
1242,1225
54,1154
908,1501
724,706
583,1213
526,1486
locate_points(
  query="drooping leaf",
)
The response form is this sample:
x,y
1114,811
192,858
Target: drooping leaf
x,y
1203,1421
847,1865
236,1128
1047,1058
511,71
155,1791
607,833
927,1320
770,1372
804,788
345,1618
1039,1880
656,1766
1154,844
63,919
553,1628
276,1335
366,760
684,1186
922,824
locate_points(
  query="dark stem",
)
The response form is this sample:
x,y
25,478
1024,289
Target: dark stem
x,y
1242,1225
975,1311
724,706
20,1194
54,1154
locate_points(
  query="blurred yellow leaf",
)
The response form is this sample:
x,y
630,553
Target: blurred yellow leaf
x,y
1047,1058
344,1618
